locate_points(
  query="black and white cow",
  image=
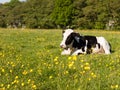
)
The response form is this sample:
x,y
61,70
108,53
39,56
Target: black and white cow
x,y
75,44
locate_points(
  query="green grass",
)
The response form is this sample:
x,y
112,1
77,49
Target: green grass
x,y
31,59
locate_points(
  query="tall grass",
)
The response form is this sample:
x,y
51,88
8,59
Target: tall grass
x,y
31,60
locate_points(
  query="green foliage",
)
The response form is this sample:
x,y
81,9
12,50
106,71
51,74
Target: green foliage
x,y
90,14
99,25
62,13
31,60
38,13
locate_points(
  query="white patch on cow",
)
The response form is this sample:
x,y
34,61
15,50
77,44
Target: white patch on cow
x,y
104,43
96,49
66,52
99,50
86,46
65,35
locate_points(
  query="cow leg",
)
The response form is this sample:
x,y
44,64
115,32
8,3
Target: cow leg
x,y
78,52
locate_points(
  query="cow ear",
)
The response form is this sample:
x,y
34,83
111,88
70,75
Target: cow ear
x,y
63,31
75,34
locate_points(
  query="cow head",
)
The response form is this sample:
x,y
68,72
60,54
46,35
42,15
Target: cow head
x,y
67,39
71,40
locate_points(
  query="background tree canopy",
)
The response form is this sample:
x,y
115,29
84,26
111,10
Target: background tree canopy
x,y
83,14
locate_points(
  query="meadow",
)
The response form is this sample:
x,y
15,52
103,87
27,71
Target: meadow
x,y
32,60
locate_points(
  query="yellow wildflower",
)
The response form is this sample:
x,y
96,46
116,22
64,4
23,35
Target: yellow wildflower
x,y
0,54
34,86
69,58
2,85
50,77
114,86
11,63
82,72
74,57
31,70
3,70
82,60
56,63
24,72
28,81
10,71
93,75
2,88
87,67
70,64
86,64
89,79
16,77
66,72
16,81
81,66
8,86
56,58
22,84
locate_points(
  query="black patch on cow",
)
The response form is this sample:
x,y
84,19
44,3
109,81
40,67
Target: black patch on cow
x,y
72,37
83,49
80,53
98,45
92,41
69,39
79,42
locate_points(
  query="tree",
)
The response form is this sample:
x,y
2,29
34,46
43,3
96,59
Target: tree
x,y
38,13
83,14
62,13
78,20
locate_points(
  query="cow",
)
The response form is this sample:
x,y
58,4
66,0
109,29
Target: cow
x,y
74,44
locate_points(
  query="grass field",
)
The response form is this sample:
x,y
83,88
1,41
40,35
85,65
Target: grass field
x,y
31,60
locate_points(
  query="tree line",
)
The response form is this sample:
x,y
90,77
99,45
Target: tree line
x,y
82,14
